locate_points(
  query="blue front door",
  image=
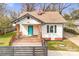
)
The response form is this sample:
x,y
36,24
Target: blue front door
x,y
30,30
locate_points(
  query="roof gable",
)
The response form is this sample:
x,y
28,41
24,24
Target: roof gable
x,y
47,17
24,16
28,21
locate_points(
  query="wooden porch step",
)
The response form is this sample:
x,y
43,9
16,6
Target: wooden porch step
x,y
26,44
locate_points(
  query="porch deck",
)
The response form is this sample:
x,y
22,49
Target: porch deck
x,y
28,41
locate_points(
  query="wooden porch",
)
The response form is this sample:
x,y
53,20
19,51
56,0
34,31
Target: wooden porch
x,y
28,41
24,40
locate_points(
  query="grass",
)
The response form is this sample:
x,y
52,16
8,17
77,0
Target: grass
x,y
64,45
5,39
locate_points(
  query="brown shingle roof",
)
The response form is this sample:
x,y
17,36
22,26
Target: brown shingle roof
x,y
47,17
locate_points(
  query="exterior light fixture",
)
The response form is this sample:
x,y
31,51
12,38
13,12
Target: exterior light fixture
x,y
14,24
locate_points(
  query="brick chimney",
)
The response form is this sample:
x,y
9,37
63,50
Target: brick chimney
x,y
40,12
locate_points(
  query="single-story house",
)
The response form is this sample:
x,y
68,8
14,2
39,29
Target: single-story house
x,y
47,25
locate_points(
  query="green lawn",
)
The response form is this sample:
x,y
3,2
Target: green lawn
x,y
5,39
64,45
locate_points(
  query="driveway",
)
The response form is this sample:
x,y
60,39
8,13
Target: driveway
x,y
73,38
62,53
68,35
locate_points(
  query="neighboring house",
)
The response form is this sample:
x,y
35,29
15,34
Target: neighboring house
x,y
77,23
46,25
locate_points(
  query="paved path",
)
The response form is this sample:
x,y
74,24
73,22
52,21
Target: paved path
x,y
75,40
62,53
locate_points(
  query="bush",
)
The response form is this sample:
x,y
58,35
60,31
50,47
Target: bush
x,y
71,31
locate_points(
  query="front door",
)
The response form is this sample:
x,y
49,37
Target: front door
x,y
30,30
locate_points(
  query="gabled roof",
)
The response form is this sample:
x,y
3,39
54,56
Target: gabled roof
x,y
47,17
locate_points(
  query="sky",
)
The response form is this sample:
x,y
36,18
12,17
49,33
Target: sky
x,y
17,7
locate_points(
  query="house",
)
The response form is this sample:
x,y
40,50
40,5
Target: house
x,y
76,22
44,25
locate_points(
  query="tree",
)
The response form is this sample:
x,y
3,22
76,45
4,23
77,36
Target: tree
x,y
54,7
2,11
67,17
14,14
46,6
62,6
2,8
5,23
4,19
75,14
58,7
28,7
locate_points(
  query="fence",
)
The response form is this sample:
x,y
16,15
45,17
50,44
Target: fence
x,y
23,51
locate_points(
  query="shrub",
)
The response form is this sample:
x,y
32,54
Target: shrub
x,y
71,31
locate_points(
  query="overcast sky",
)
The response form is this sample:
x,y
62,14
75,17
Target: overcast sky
x,y
17,7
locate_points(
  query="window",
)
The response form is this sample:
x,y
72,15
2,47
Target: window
x,y
55,28
47,28
51,29
28,17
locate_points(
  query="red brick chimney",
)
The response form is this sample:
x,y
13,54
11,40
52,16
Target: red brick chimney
x,y
40,12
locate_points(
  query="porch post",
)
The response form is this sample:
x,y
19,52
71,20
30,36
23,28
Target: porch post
x,y
42,40
40,29
17,30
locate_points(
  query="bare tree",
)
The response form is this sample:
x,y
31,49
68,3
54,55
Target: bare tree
x,y
62,6
2,8
57,7
14,14
28,7
51,7
54,7
42,6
